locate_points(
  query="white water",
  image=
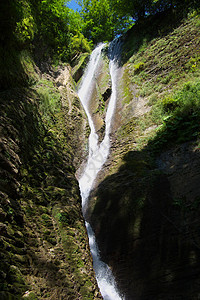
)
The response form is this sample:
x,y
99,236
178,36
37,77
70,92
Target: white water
x,y
98,154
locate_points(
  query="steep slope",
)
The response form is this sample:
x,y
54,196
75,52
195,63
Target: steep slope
x,y
44,245
145,210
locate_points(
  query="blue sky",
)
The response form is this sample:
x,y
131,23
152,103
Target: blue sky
x,y
72,4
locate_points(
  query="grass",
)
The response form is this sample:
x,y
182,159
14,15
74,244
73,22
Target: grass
x,y
165,70
49,98
163,58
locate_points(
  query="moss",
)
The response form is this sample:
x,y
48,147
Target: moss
x,y
16,278
29,296
138,67
80,64
8,296
37,243
157,61
125,86
85,294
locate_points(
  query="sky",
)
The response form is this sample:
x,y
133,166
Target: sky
x,y
72,4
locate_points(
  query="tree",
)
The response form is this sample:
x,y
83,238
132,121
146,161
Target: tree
x,y
57,25
97,20
101,22
138,8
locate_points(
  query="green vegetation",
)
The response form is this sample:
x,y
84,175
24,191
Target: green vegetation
x,y
104,19
166,75
101,22
49,98
140,9
43,236
180,116
48,30
41,124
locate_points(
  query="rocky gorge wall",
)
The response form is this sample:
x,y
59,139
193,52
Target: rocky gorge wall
x,y
145,205
44,245
144,208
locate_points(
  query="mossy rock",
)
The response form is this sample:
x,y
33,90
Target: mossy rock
x,y
78,69
15,275
8,296
29,296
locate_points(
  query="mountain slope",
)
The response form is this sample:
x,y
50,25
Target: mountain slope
x,y
145,210
44,245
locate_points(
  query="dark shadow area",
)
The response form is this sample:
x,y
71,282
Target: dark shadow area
x,y
36,173
11,70
107,94
146,218
179,128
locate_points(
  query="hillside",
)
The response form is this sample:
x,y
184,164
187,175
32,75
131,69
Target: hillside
x,y
44,245
145,209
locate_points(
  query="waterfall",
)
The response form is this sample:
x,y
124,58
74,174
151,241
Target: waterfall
x,y
98,154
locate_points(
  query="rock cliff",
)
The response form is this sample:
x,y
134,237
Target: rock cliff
x,y
145,206
44,245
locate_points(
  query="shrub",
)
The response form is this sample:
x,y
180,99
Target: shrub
x,y
169,103
49,98
80,44
138,67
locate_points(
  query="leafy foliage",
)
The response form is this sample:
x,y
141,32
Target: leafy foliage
x,y
180,115
100,20
187,100
140,8
26,27
49,24
57,25
46,28
104,19
79,44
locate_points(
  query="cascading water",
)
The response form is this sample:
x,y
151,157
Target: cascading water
x,y
98,154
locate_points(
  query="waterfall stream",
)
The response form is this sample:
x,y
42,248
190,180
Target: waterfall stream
x,y
98,154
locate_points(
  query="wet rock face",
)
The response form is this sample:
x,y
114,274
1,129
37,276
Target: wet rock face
x,y
182,165
79,64
147,230
100,96
145,206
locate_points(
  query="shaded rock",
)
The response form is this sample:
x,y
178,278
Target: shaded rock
x,y
2,215
106,95
182,166
3,229
39,151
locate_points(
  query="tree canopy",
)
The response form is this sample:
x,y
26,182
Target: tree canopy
x,y
62,32
59,26
101,22
104,19
48,25
140,8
